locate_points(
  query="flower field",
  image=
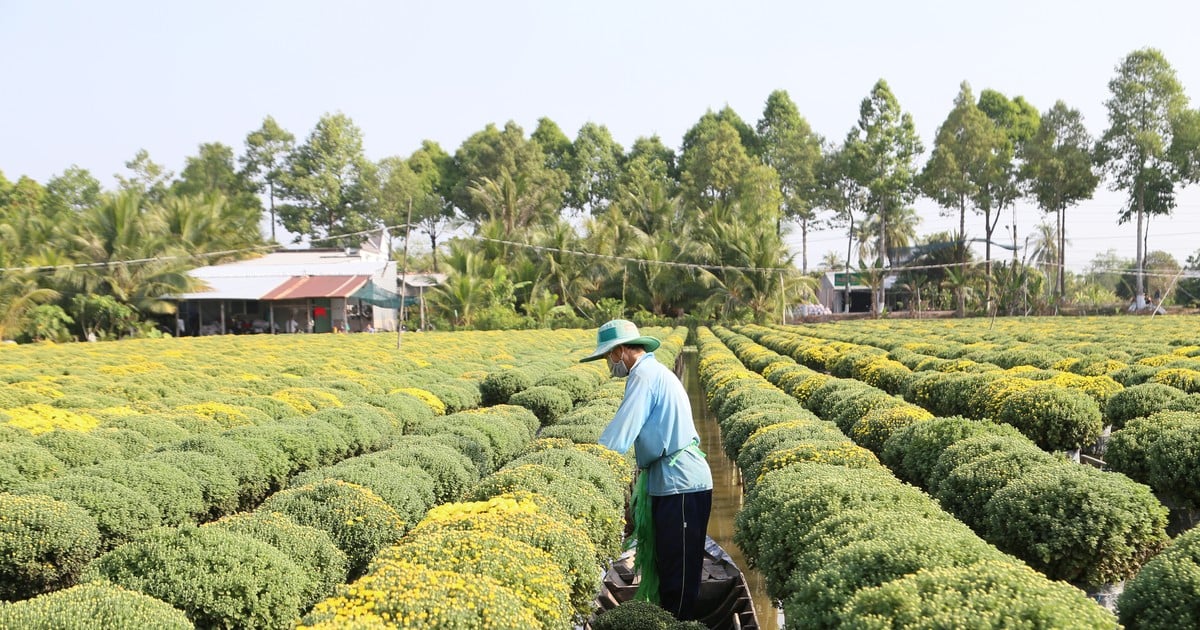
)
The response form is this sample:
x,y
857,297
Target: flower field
x,y
985,419
326,481
896,474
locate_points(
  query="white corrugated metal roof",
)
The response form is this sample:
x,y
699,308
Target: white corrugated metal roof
x,y
237,288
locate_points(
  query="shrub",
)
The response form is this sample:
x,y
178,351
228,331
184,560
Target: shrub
x,y
873,429
912,451
779,436
1134,374
120,512
548,403
252,476
635,615
1164,594
987,594
595,512
130,442
362,426
77,449
757,394
499,386
825,452
850,409
178,497
407,489
468,440
1139,401
532,574
452,471
576,383
971,472
1161,451
273,461
93,606
1191,403
217,485
218,578
1077,524
579,434
357,520
24,461
1184,379
414,596
521,520
458,395
580,465
785,503
44,544
737,428
406,409
310,548
853,562
1055,418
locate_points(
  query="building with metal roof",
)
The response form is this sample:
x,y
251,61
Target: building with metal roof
x,y
308,290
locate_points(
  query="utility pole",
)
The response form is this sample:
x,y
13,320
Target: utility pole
x,y
404,276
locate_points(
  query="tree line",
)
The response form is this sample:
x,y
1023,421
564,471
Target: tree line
x,y
503,213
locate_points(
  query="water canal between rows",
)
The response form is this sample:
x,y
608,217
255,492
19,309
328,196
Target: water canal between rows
x,y
727,492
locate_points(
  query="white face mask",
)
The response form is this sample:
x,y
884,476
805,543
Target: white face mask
x,y
618,369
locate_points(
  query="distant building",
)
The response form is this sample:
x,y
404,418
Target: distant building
x,y
832,292
305,290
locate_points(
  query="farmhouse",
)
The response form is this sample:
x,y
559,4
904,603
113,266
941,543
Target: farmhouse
x,y
832,292
306,290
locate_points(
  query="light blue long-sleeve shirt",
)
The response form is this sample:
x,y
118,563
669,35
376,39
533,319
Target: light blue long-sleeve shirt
x,y
655,417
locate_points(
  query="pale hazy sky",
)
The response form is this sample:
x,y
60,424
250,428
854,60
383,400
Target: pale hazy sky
x,y
90,83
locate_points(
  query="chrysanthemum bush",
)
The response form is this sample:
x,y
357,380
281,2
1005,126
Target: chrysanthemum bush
x,y
1162,451
1165,593
987,594
822,534
44,544
93,606
532,574
208,572
359,522
408,595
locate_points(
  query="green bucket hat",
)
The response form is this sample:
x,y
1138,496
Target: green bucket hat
x,y
618,332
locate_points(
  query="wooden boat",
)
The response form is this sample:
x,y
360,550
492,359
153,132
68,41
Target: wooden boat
x,y
724,599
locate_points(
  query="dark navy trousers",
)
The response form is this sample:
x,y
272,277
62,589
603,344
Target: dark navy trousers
x,y
680,526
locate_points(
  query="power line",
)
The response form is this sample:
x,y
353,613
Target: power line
x,y
142,261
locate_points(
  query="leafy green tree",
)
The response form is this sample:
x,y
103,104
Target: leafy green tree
x,y
554,143
594,167
961,166
791,147
501,174
846,197
147,179
131,241
1105,269
71,192
331,186
745,132
1017,121
48,322
422,179
883,148
646,190
267,151
211,174
1058,170
1148,147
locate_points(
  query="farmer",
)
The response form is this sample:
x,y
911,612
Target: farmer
x,y
656,417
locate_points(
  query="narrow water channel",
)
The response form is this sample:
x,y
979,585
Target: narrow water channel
x,y
727,492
